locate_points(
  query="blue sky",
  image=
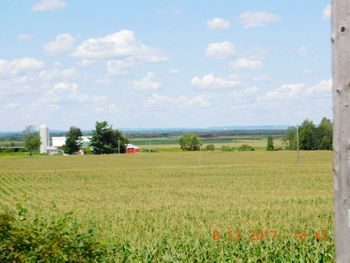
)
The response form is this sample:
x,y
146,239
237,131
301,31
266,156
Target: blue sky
x,y
163,63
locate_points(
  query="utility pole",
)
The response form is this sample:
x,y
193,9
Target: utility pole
x,y
341,122
118,145
200,156
298,156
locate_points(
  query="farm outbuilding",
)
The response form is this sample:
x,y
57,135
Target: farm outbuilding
x,y
130,148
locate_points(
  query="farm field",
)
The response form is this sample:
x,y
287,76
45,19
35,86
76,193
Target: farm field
x,y
180,207
258,144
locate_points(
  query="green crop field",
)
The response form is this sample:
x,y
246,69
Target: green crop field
x,y
180,207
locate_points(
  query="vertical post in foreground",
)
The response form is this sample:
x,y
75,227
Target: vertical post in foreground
x,y
341,111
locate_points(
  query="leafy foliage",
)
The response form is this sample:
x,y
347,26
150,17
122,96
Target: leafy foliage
x,y
210,147
270,146
227,148
190,142
31,139
73,140
105,140
246,147
40,240
325,134
310,136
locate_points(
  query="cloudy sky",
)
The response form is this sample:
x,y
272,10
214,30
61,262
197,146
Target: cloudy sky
x,y
163,63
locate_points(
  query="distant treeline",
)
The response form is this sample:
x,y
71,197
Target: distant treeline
x,y
208,134
311,137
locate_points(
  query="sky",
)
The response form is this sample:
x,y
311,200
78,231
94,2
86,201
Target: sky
x,y
163,64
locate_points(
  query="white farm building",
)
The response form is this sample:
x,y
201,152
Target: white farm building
x,y
51,145
60,141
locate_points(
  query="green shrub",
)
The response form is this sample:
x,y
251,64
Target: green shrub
x,y
245,148
40,240
210,147
226,148
88,150
150,150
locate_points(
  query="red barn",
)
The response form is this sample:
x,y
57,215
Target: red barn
x,y
132,149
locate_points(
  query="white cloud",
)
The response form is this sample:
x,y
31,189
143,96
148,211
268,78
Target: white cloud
x,y
245,63
56,74
303,51
218,23
121,44
147,83
122,66
48,5
263,77
286,91
325,86
87,62
113,108
211,81
24,37
220,50
66,93
174,71
181,101
245,92
250,91
62,43
66,86
11,105
22,75
327,12
258,19
21,65
199,100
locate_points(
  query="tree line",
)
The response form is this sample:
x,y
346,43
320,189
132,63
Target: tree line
x,y
106,140
311,137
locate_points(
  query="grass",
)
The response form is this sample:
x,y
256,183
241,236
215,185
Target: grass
x,y
165,206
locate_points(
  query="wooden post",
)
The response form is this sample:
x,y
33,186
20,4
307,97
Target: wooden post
x,y
341,119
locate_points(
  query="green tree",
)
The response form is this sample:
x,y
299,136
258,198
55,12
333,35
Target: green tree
x,y
307,135
190,142
31,139
105,140
270,146
73,140
325,134
290,139
210,147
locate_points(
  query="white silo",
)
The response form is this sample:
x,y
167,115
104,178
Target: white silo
x,y
44,138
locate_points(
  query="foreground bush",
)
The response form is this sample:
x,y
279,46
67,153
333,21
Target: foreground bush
x,y
41,240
